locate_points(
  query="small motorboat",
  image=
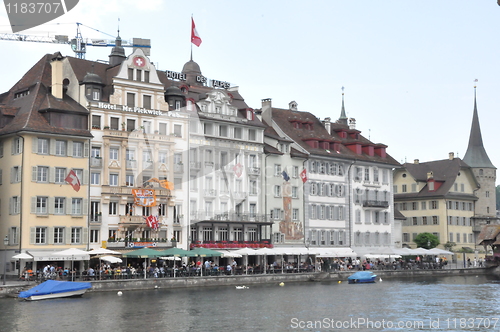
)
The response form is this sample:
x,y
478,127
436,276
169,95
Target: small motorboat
x,y
362,277
52,289
242,287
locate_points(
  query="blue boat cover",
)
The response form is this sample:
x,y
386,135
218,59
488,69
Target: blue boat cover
x,y
362,275
54,287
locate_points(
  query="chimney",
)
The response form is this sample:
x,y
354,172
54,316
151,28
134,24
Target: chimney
x,y
57,76
267,110
451,155
416,161
430,175
328,125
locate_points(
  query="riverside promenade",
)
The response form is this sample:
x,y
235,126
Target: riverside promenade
x,y
11,288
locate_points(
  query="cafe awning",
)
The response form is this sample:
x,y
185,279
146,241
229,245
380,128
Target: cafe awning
x,y
40,256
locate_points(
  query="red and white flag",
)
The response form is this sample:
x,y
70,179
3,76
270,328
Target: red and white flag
x,y
73,180
195,37
152,222
303,175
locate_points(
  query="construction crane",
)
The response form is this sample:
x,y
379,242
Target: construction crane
x,y
79,44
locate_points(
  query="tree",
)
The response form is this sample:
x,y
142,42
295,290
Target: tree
x,y
426,240
449,245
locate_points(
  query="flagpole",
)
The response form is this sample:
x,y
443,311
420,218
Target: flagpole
x,y
191,37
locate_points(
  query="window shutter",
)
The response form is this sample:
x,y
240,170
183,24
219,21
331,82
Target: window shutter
x,y
52,174
86,150
32,235
68,201
12,175
34,173
51,205
17,206
1,149
50,236
33,204
34,142
13,146
70,148
85,207
52,146
85,179
67,232
327,212
11,205
85,235
17,235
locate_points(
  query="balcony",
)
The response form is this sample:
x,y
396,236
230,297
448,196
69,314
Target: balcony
x,y
228,216
136,134
239,195
157,243
376,204
131,164
179,168
96,219
195,165
231,244
147,165
96,162
210,193
116,190
253,170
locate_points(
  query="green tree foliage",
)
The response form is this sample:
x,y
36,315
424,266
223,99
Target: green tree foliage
x,y
426,240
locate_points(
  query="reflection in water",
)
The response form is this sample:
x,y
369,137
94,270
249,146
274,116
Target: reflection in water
x,y
265,307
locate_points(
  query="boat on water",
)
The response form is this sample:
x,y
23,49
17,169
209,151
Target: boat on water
x,y
52,289
361,277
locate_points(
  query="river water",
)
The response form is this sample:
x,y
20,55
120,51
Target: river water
x,y
459,303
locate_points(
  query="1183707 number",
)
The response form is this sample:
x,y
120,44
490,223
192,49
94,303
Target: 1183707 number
x,y
469,323
34,8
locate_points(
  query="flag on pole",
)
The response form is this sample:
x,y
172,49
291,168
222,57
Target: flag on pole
x,y
195,37
303,175
285,176
152,222
73,180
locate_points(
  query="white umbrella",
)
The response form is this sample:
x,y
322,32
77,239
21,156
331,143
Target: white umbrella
x,y
437,251
227,253
111,259
246,251
72,252
265,251
171,258
22,256
103,251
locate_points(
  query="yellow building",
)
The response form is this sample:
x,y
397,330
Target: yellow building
x,y
43,138
437,197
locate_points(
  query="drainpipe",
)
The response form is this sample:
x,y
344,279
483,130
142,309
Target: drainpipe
x,y
21,203
348,174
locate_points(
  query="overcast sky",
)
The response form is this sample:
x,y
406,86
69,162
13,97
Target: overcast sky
x,y
408,67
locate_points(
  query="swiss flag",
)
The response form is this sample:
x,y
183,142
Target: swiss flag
x,y
195,37
152,222
73,180
303,175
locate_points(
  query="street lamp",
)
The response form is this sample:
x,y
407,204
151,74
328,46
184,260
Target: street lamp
x,y
5,244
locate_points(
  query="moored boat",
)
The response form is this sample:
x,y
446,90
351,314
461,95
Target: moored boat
x,y
362,277
52,289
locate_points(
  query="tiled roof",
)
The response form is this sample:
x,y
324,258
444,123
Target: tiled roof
x,y
271,150
284,118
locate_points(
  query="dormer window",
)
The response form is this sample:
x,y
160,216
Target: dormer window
x,y
249,115
21,94
93,92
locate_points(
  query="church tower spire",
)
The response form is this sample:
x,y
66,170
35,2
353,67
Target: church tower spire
x,y
476,155
343,117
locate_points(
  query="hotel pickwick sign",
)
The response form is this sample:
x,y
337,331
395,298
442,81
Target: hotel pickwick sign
x,y
144,197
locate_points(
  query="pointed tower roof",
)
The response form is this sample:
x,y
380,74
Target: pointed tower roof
x,y
343,117
476,155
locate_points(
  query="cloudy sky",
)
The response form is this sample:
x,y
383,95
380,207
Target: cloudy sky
x,y
408,67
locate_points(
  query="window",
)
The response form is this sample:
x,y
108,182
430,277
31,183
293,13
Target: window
x,y
146,102
375,175
95,178
113,153
58,235
146,127
113,209
277,191
146,76
295,172
295,192
129,180
113,179
95,210
177,130
130,99
252,135
14,205
40,235
367,174
404,188
237,133
76,235
207,129
162,209
295,214
163,129
42,174
277,170
60,175
130,125
252,210
76,206
434,205
94,236
253,187
223,131
16,146
424,220
41,205
423,205
114,123
59,205
435,220
77,149
43,146
96,122
60,148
